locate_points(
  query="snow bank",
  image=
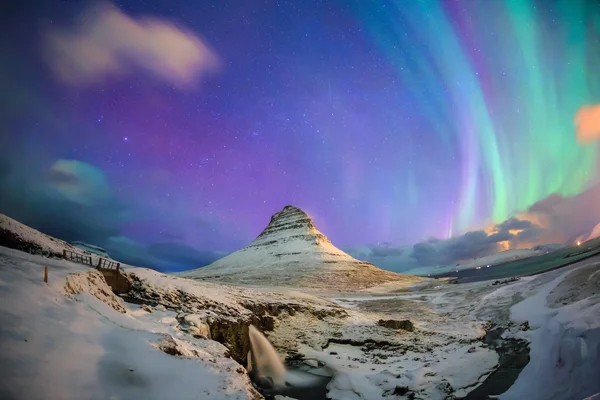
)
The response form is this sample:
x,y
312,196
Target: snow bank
x,y
58,348
565,345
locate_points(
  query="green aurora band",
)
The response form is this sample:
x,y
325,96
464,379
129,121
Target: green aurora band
x,y
500,82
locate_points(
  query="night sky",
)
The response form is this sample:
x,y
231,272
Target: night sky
x,y
169,131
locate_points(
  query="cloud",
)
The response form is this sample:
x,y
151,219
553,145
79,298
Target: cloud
x,y
106,42
555,219
514,224
564,219
386,251
79,182
468,246
73,200
166,257
587,123
69,199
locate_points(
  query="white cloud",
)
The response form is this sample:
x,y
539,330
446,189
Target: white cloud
x,y
106,42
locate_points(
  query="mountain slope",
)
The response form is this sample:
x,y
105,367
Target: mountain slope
x,y
292,252
16,235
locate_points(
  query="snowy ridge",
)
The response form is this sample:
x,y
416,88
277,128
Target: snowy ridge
x,y
14,234
292,251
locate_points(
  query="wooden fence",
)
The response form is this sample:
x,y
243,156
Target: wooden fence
x,y
77,257
102,263
110,269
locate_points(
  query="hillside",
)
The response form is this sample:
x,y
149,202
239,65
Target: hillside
x,y
16,235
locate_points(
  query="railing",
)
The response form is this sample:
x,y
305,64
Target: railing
x,y
102,263
77,257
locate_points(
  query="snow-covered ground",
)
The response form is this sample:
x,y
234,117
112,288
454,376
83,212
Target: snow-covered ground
x,y
74,339
54,347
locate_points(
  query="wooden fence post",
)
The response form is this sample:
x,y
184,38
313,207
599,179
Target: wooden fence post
x,y
46,274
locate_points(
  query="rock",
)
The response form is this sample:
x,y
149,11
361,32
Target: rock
x,y
312,363
265,382
524,326
471,350
405,324
194,324
93,282
445,387
160,307
400,390
267,323
147,308
172,346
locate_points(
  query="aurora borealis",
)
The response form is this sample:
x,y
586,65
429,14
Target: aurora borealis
x,y
500,81
389,122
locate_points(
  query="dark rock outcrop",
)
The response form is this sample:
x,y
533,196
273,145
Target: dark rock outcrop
x,y
404,324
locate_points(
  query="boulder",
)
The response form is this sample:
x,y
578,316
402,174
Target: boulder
x,y
404,324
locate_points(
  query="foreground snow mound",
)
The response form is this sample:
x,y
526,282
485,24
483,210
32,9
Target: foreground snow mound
x,y
93,282
53,347
292,252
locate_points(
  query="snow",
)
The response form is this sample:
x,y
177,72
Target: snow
x,y
84,349
73,338
565,344
45,243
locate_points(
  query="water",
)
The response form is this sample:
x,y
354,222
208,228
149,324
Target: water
x,y
265,359
266,368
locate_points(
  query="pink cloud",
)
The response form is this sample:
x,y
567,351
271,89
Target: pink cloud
x,y
107,42
587,122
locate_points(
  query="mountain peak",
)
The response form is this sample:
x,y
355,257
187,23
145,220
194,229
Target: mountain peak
x,y
291,251
291,221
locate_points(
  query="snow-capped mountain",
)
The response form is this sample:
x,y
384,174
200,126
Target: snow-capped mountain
x,y
292,252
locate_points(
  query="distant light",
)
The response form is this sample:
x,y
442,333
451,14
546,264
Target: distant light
x,y
578,243
488,265
126,138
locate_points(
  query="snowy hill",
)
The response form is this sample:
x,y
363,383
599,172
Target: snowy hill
x,y
292,252
16,235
